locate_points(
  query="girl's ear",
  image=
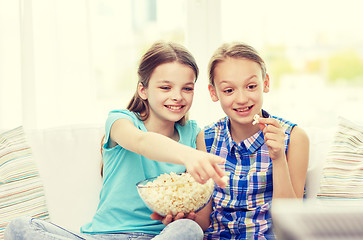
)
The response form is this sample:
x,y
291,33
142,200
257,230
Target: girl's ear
x,y
213,93
141,90
266,84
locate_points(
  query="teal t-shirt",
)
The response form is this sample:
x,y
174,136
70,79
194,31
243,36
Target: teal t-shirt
x,y
120,207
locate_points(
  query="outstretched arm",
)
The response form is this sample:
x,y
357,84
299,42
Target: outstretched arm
x,y
202,216
200,165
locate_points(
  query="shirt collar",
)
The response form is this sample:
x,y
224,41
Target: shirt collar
x,y
254,142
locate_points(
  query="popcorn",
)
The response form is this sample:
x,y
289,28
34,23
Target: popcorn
x,y
256,119
173,193
225,179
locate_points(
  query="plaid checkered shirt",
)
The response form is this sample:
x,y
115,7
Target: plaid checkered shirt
x,y
241,210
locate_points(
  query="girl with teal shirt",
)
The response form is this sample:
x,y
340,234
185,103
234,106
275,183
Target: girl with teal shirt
x,y
152,136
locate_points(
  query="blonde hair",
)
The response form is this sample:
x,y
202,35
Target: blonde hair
x,y
234,50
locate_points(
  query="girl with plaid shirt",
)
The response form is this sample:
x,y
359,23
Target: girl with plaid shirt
x,y
263,162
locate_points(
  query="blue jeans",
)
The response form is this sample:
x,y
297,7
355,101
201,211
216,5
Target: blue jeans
x,y
32,228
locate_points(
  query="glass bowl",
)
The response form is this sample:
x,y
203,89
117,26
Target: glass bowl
x,y
175,192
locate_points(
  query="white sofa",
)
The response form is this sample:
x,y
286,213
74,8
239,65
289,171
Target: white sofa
x,y
320,143
68,159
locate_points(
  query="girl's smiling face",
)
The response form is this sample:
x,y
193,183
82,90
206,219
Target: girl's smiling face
x,y
170,91
239,86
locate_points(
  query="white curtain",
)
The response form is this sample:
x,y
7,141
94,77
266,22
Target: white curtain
x,y
56,49
70,62
10,64
45,63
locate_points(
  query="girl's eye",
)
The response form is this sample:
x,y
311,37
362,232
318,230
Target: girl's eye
x,y
188,89
165,87
252,86
229,90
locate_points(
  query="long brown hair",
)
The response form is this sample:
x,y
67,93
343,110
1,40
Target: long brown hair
x,y
159,53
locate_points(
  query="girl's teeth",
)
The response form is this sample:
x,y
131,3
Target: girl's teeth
x,y
174,107
242,110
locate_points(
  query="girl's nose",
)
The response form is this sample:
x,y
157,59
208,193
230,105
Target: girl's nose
x,y
241,97
176,95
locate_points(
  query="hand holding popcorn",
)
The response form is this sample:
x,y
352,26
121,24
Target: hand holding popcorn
x,y
274,137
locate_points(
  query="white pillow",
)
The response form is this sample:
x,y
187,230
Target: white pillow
x,y
342,176
69,161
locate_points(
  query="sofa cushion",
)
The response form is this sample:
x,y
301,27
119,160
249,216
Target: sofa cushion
x,y
343,169
21,189
69,161
320,141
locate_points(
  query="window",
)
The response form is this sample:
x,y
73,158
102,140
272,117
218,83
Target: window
x,y
313,51
10,65
72,61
